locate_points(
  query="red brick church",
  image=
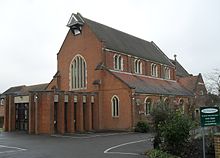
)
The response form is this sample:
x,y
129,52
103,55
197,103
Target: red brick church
x,y
105,80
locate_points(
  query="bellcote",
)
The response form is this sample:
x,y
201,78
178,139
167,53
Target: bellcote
x,y
76,23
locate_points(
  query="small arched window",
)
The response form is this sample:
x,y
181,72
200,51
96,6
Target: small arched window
x,y
181,105
154,70
166,73
115,106
148,106
137,66
118,62
167,103
201,92
78,71
2,102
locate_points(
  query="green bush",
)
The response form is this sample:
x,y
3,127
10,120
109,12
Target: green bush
x,y
142,127
160,115
159,154
175,132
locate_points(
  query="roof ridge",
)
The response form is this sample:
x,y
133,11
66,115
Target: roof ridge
x,y
118,30
155,45
124,42
37,84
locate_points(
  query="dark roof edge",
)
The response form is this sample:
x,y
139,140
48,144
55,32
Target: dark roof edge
x,y
166,94
104,68
154,44
177,62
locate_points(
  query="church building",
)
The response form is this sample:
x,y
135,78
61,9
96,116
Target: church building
x,y
105,80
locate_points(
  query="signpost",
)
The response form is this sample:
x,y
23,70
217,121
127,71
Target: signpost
x,y
209,116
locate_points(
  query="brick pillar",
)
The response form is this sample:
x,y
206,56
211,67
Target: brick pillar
x,y
31,113
217,145
52,114
79,114
44,113
11,112
133,115
36,117
70,114
96,123
88,114
60,114
6,114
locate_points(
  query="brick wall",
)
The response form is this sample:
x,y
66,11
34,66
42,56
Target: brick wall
x,y
128,65
139,104
112,86
45,112
87,45
217,145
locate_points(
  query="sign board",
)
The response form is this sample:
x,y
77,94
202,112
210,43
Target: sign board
x,y
21,99
209,116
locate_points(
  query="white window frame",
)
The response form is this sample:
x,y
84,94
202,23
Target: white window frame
x,y
115,106
201,92
166,72
118,62
78,73
181,108
138,66
2,102
167,100
154,70
147,107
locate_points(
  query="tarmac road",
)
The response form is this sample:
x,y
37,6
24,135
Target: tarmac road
x,y
94,145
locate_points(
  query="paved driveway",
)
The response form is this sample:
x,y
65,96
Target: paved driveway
x,y
96,145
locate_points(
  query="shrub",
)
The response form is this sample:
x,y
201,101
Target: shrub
x,y
175,132
159,154
142,127
160,115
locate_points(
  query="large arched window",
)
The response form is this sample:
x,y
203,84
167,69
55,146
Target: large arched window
x,y
78,73
154,70
118,62
137,66
148,106
115,106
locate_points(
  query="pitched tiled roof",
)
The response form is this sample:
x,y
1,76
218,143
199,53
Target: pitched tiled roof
x,y
13,90
24,90
122,42
149,85
189,82
180,71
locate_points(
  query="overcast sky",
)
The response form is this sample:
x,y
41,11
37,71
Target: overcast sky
x,y
32,31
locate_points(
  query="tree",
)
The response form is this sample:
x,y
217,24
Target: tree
x,y
213,82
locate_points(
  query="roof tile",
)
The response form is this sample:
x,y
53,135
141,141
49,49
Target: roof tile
x,y
144,84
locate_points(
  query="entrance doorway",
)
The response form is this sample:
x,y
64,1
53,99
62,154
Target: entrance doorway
x,y
22,116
